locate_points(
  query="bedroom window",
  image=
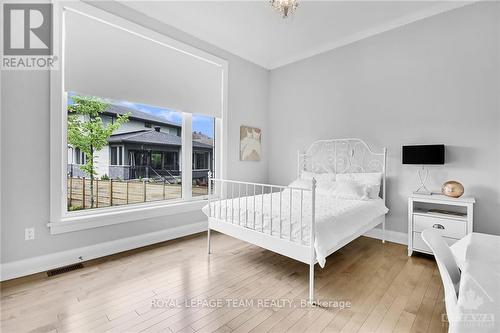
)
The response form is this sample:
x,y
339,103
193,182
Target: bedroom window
x,y
130,171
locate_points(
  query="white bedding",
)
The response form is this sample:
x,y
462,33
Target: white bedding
x,y
336,219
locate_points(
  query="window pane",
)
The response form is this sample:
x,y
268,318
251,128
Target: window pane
x,y
77,156
171,159
203,152
120,156
114,157
135,164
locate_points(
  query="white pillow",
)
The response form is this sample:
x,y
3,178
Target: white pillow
x,y
305,184
321,187
371,179
326,188
320,177
350,190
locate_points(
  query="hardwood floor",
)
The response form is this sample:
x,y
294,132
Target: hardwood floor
x,y
133,292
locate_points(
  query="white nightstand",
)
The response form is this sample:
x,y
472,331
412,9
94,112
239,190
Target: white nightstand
x,y
422,215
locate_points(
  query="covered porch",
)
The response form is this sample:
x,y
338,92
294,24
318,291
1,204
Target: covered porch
x,y
156,155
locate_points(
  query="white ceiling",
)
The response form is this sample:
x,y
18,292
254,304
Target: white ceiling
x,y
254,31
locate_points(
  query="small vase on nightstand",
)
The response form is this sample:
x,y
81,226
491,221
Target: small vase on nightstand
x,y
452,189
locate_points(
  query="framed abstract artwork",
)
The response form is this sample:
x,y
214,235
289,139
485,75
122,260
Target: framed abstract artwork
x,y
250,143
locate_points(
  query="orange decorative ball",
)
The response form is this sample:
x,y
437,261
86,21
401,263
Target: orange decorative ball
x,y
452,189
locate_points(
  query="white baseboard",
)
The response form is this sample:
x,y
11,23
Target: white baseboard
x,y
43,263
390,236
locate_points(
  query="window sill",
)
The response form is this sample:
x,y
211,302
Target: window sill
x,y
109,216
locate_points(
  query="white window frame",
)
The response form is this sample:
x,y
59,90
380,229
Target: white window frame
x,y
61,220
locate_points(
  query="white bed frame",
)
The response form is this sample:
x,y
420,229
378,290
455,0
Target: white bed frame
x,y
324,156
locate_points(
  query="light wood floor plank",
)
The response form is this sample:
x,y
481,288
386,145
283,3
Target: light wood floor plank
x,y
405,322
424,315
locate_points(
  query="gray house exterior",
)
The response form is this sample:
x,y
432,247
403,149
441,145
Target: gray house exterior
x,y
146,147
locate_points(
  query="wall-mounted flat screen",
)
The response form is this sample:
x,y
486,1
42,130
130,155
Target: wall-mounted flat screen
x,y
423,154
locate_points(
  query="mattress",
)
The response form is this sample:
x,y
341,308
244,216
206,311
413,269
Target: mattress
x,y
336,219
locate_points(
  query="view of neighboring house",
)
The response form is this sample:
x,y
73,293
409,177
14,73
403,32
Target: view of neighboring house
x,y
147,146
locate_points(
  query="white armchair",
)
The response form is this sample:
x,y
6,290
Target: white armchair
x,y
448,269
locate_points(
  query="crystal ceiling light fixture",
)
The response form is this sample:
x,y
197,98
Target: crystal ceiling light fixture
x,y
285,7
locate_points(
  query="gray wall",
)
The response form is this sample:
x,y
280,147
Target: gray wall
x,y
25,151
433,81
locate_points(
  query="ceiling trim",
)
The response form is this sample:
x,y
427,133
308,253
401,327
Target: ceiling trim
x,y
390,25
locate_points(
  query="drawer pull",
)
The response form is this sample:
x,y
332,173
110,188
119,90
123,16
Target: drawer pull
x,y
438,226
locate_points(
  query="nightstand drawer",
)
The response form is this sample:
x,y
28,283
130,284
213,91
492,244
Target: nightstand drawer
x,y
446,227
419,244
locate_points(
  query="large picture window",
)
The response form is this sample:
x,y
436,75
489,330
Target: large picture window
x,y
135,151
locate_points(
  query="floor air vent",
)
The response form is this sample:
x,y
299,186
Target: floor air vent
x,y
64,269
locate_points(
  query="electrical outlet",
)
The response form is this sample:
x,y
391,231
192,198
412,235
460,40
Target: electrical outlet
x,y
29,233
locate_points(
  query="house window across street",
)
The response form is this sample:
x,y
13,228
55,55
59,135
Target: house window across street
x,y
79,157
117,155
200,160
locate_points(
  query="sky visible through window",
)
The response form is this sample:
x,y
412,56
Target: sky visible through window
x,y
201,124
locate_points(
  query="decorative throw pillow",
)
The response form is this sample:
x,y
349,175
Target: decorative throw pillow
x,y
371,179
373,191
351,190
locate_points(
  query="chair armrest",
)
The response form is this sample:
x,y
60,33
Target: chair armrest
x,y
459,250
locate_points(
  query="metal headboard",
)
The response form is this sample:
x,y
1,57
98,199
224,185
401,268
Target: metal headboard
x,y
342,156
